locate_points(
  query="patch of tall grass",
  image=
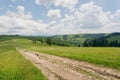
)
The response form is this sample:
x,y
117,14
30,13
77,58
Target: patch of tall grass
x,y
13,66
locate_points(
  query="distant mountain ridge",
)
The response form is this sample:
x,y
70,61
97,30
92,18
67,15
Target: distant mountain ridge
x,y
68,40
83,37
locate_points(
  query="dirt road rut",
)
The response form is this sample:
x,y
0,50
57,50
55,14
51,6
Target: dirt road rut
x,y
58,68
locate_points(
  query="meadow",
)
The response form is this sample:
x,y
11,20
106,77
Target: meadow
x,y
103,56
13,66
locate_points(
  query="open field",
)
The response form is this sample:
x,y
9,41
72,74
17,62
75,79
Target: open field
x,y
59,68
103,56
59,40
13,66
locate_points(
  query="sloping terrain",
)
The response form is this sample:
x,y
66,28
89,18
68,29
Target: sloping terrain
x,y
105,56
113,37
78,37
13,66
57,68
82,37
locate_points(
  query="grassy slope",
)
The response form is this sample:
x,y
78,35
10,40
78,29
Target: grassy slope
x,y
14,66
79,37
82,37
109,57
4,38
113,38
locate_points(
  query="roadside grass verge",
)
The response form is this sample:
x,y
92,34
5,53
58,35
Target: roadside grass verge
x,y
104,56
13,66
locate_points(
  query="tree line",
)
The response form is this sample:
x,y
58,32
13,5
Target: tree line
x,y
52,41
101,43
87,43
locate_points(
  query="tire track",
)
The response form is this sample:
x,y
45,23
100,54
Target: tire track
x,y
58,68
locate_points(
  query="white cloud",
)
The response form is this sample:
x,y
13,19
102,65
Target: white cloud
x,y
20,9
44,2
15,23
90,16
20,13
12,25
66,3
87,18
115,21
52,23
116,16
70,4
54,14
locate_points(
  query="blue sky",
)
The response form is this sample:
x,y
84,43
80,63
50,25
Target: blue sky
x,y
52,17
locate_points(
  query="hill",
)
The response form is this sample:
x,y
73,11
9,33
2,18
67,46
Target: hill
x,y
67,40
9,37
78,39
113,37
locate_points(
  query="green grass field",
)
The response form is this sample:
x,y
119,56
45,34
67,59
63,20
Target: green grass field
x,y
13,66
103,56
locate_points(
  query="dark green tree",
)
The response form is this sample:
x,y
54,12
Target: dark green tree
x,y
104,43
114,44
49,41
94,43
85,44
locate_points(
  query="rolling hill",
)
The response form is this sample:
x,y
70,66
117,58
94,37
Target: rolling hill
x,y
83,37
67,40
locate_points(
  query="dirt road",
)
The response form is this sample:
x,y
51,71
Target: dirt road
x,y
58,68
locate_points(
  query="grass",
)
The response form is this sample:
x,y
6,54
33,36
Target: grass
x,y
104,56
13,66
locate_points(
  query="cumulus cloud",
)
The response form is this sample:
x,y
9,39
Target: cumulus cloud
x,y
15,23
54,14
116,16
20,13
91,16
87,18
66,3
20,9
70,4
115,21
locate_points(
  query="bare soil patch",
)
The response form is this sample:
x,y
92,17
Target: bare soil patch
x,y
59,68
